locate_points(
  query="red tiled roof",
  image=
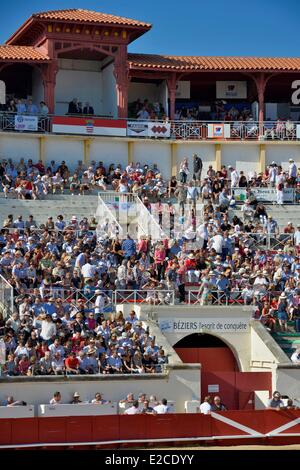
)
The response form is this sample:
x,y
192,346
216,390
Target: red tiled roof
x,y
21,53
89,17
166,62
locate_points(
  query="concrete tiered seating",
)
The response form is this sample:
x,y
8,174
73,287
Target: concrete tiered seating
x,y
52,205
288,341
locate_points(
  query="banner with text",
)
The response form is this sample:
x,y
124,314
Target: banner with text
x,y
26,123
196,325
148,129
270,194
263,194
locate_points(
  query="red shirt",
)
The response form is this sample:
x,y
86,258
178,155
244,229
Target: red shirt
x,y
72,362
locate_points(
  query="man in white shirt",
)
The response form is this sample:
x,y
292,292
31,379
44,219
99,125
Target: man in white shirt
x,y
297,236
163,408
88,271
133,410
295,357
205,407
217,242
234,177
56,400
292,171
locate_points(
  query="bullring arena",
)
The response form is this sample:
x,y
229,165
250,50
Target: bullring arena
x,y
150,239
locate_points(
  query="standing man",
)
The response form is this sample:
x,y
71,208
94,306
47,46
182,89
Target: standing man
x,y
197,167
292,172
181,194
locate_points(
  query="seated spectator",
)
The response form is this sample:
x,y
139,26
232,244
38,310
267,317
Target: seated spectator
x,y
163,407
76,399
217,405
205,407
275,402
133,410
98,400
56,400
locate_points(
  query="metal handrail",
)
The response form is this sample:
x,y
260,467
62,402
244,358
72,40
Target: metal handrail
x,y
180,129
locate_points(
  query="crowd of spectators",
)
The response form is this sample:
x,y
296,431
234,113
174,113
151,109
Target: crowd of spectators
x,y
25,106
129,405
47,336
28,180
145,110
76,107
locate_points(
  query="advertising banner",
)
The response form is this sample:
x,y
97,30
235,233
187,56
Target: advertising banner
x,y
159,129
89,126
192,325
137,129
218,131
26,123
270,194
148,129
232,89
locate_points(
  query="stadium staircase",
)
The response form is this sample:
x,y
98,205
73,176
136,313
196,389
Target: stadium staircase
x,y
130,214
288,341
282,214
65,204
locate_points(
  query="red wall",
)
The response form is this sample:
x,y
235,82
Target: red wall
x,y
221,359
235,388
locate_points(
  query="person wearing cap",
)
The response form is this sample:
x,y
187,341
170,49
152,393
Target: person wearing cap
x,y
275,402
76,399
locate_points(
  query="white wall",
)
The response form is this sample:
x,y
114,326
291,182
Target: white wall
x,y
187,149
16,146
179,386
109,152
153,152
109,96
37,87
64,148
244,157
281,153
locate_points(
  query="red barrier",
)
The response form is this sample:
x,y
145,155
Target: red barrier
x,y
52,429
5,431
24,430
132,426
79,429
233,423
274,420
105,428
269,425
178,425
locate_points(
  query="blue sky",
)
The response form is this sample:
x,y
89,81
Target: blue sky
x,y
189,27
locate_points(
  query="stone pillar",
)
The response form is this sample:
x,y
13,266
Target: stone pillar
x,y
171,84
49,80
261,81
121,73
218,157
173,159
262,157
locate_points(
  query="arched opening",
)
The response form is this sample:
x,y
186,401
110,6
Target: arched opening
x,y
213,353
